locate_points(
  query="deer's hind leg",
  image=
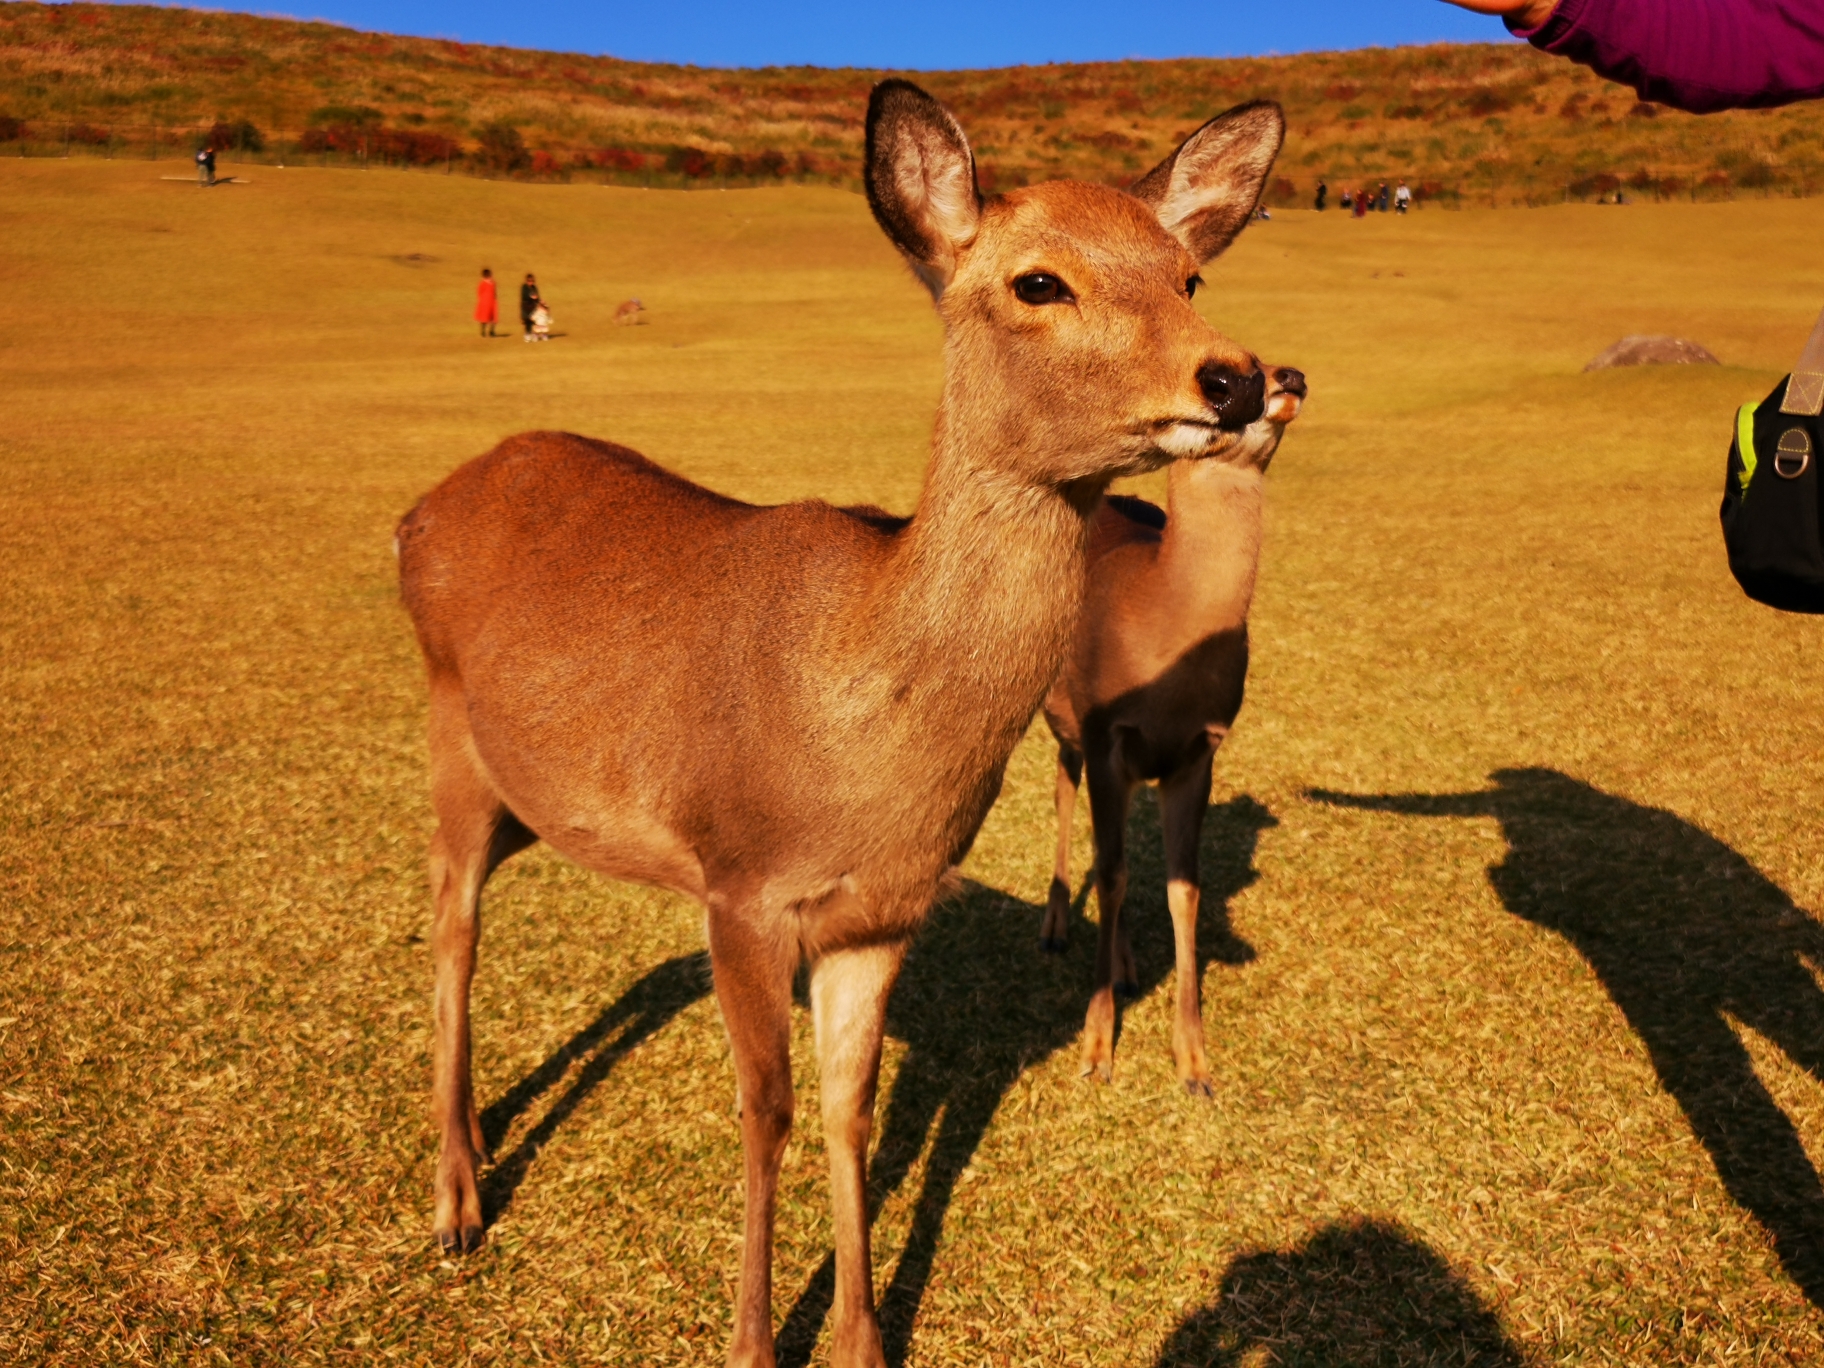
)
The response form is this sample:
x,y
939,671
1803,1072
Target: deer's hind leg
x,y
1110,790
475,832
1184,797
1055,930
753,963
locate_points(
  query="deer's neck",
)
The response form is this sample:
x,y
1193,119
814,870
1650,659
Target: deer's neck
x,y
1211,547
968,626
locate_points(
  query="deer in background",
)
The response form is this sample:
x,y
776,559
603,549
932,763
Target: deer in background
x,y
1149,689
799,715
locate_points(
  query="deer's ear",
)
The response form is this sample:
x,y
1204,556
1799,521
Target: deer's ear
x,y
1205,192
921,180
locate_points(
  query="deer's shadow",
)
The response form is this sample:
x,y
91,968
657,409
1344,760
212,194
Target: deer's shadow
x,y
1355,1295
977,1005
635,1016
1684,934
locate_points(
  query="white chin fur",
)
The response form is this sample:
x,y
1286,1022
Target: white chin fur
x,y
1183,440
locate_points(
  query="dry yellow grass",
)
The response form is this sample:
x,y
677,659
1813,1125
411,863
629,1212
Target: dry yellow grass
x,y
1514,1013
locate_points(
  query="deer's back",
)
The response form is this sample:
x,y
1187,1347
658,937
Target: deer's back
x,y
552,531
634,651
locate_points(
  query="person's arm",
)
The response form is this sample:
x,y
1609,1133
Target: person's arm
x,y
1698,55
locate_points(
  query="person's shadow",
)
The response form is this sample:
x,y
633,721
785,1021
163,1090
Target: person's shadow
x,y
1684,934
1355,1295
977,1005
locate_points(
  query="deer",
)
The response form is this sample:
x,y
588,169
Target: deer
x,y
627,313
1149,690
799,715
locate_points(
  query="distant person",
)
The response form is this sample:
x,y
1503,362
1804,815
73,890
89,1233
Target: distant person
x,y
487,305
1380,200
541,322
1361,204
1323,193
1701,56
528,301
1347,201
205,165
1402,199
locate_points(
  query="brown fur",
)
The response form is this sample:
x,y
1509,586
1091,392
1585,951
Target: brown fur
x,y
1151,686
799,715
627,312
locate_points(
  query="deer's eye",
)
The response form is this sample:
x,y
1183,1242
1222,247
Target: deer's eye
x,y
1190,286
1040,287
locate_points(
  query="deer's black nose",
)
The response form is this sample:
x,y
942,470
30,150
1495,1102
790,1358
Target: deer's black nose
x,y
1290,381
1238,399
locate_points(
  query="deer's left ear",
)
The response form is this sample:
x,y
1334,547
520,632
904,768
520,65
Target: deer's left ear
x,y
1205,192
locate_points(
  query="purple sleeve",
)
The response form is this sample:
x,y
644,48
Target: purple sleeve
x,y
1700,55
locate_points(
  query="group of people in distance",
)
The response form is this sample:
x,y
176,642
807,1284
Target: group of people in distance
x,y
1360,202
534,313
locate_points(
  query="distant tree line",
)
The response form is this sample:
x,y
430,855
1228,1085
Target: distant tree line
x,y
360,134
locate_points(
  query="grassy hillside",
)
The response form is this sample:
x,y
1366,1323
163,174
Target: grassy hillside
x,y
1506,956
1494,122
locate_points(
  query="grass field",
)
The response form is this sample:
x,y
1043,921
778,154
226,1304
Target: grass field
x,y
1515,1021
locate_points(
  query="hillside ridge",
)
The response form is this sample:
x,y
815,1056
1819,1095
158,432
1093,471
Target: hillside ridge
x,y
1492,122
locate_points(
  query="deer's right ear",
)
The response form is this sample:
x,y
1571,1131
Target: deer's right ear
x,y
1205,192
921,180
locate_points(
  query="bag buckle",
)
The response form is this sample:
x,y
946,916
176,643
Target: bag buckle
x,y
1793,454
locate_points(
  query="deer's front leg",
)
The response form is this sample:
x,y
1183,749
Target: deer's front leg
x,y
849,990
753,976
1183,800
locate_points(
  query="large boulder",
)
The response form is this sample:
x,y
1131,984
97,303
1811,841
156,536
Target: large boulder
x,y
1643,350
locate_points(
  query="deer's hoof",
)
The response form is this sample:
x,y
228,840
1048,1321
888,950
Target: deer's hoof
x,y
1199,1087
465,1241
1128,989
1102,1073
1052,945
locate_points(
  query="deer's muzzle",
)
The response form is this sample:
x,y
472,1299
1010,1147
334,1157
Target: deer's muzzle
x,y
1237,398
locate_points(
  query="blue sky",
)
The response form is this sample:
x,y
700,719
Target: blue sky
x,y
937,34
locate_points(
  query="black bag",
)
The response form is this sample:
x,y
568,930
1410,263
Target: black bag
x,y
1770,495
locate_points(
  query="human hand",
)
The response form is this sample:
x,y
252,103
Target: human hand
x,y
1523,14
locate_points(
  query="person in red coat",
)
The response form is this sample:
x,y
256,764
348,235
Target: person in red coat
x,y
487,310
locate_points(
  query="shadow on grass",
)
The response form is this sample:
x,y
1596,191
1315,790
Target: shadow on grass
x,y
635,1016
1684,934
1358,1295
977,1005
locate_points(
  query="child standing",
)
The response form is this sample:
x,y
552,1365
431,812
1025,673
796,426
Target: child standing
x,y
541,322
528,301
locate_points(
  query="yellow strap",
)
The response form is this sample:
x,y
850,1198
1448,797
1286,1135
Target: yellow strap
x,y
1744,441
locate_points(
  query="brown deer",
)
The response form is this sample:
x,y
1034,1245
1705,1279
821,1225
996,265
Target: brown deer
x,y
1149,689
800,715
627,313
